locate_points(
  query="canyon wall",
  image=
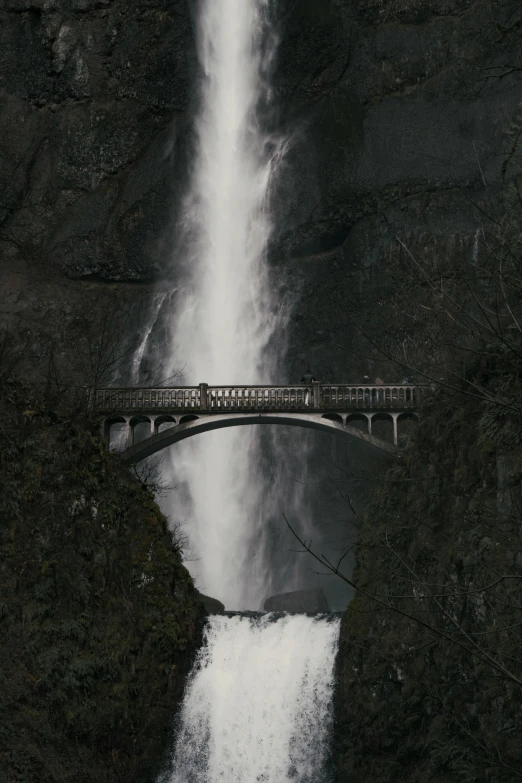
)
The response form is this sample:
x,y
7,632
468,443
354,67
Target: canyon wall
x,y
99,618
396,114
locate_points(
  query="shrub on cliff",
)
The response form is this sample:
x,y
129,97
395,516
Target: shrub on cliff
x,y
98,616
431,670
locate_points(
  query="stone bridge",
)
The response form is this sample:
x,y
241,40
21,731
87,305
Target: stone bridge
x,y
151,419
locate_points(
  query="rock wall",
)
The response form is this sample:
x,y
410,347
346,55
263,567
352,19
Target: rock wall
x,y
398,130
396,114
99,619
430,672
94,97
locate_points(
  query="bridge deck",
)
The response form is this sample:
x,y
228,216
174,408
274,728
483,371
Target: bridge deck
x,y
301,398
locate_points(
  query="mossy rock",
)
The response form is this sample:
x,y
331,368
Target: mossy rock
x,y
100,618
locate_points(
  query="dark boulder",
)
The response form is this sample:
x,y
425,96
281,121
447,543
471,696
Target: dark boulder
x,y
212,605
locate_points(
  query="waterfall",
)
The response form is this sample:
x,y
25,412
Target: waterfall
x,y
258,705
223,315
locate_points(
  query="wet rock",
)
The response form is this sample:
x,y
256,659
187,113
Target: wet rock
x,y
311,601
376,104
212,605
63,47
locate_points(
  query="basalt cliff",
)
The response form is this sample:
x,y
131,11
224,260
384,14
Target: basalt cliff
x,y
397,248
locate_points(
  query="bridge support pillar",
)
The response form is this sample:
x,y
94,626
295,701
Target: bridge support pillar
x,y
203,396
128,433
395,416
370,425
316,391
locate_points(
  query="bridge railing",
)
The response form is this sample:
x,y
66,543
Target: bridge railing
x,y
371,396
259,397
315,396
183,397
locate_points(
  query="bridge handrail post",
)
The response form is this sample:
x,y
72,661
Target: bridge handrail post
x,y
203,401
316,386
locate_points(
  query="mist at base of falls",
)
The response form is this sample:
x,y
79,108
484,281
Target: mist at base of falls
x,y
258,704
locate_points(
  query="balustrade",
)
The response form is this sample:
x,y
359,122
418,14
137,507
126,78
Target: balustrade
x,y
263,398
258,397
148,399
369,396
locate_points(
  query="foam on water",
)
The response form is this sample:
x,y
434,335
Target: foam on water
x,y
258,705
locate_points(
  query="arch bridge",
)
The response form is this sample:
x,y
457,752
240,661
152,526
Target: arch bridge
x,y
152,419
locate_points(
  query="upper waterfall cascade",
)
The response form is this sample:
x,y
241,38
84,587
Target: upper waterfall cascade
x,y
222,316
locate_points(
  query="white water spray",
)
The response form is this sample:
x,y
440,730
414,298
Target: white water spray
x,y
224,315
258,705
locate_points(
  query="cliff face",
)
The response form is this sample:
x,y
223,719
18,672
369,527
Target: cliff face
x,y
430,665
93,100
396,113
99,619
400,118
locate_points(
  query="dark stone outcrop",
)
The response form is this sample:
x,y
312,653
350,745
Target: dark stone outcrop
x,y
310,601
406,141
94,96
212,605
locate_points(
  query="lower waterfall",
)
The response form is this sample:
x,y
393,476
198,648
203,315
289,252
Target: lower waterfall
x,y
258,703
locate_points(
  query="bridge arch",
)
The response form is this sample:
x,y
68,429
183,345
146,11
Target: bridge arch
x,y
141,427
206,423
116,430
409,422
150,419
333,417
412,415
383,424
360,421
163,422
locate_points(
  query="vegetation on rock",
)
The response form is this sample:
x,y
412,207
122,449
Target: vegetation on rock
x,y
98,617
430,663
430,660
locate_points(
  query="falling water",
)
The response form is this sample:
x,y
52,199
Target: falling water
x,y
224,316
258,705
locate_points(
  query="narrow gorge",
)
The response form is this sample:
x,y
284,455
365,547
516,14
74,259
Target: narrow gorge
x,y
220,213
258,704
